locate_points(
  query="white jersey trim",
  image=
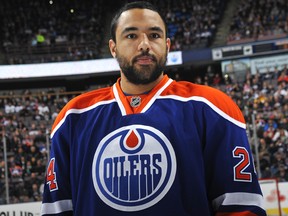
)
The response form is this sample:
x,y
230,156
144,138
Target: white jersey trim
x,y
116,95
238,198
204,100
56,207
157,94
79,111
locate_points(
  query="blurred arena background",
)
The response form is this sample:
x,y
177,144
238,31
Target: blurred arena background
x,y
53,50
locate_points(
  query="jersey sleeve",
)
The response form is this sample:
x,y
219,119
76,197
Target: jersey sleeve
x,y
57,199
61,175
231,178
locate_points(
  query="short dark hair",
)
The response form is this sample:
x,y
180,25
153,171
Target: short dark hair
x,y
129,6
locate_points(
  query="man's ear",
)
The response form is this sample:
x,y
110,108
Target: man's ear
x,y
168,44
112,47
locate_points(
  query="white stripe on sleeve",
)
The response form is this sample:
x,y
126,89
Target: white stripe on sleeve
x,y
56,207
239,198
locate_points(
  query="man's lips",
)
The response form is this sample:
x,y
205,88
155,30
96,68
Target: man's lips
x,y
144,60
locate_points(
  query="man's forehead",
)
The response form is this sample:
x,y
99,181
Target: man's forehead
x,y
140,18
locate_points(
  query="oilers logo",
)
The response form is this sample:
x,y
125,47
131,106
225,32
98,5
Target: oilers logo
x,y
133,168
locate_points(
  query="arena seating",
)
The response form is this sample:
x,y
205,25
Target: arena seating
x,y
259,20
192,24
26,118
49,31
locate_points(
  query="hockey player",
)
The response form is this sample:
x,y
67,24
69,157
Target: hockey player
x,y
149,145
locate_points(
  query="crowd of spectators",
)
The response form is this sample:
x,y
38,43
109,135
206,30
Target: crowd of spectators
x,y
26,118
259,20
51,30
192,24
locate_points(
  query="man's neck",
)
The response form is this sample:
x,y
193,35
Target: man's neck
x,y
136,89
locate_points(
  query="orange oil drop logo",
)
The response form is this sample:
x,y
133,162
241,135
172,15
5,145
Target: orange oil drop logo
x,y
132,140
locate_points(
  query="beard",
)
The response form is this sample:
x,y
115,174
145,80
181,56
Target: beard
x,y
144,75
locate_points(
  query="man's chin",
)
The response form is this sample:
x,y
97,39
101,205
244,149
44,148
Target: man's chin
x,y
140,67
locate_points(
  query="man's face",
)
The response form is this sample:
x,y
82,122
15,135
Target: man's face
x,y
141,46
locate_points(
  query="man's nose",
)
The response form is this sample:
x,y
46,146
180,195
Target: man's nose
x,y
144,44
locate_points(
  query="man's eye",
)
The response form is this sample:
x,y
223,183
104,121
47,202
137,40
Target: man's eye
x,y
155,35
131,36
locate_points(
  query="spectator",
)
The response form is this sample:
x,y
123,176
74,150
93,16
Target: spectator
x,y
16,172
217,80
44,110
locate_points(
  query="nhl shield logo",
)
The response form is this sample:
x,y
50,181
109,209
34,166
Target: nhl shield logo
x,y
133,168
135,101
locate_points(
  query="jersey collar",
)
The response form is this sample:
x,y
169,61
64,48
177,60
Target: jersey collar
x,y
147,99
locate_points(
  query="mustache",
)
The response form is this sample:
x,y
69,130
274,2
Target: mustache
x,y
144,54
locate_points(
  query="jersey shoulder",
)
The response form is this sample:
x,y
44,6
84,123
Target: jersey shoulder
x,y
90,98
84,102
213,97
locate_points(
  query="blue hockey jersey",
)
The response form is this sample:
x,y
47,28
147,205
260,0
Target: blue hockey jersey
x,y
179,150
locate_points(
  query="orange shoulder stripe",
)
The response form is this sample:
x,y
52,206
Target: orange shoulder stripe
x,y
205,93
82,102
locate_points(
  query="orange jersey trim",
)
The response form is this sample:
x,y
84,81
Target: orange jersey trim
x,y
146,98
84,101
208,95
